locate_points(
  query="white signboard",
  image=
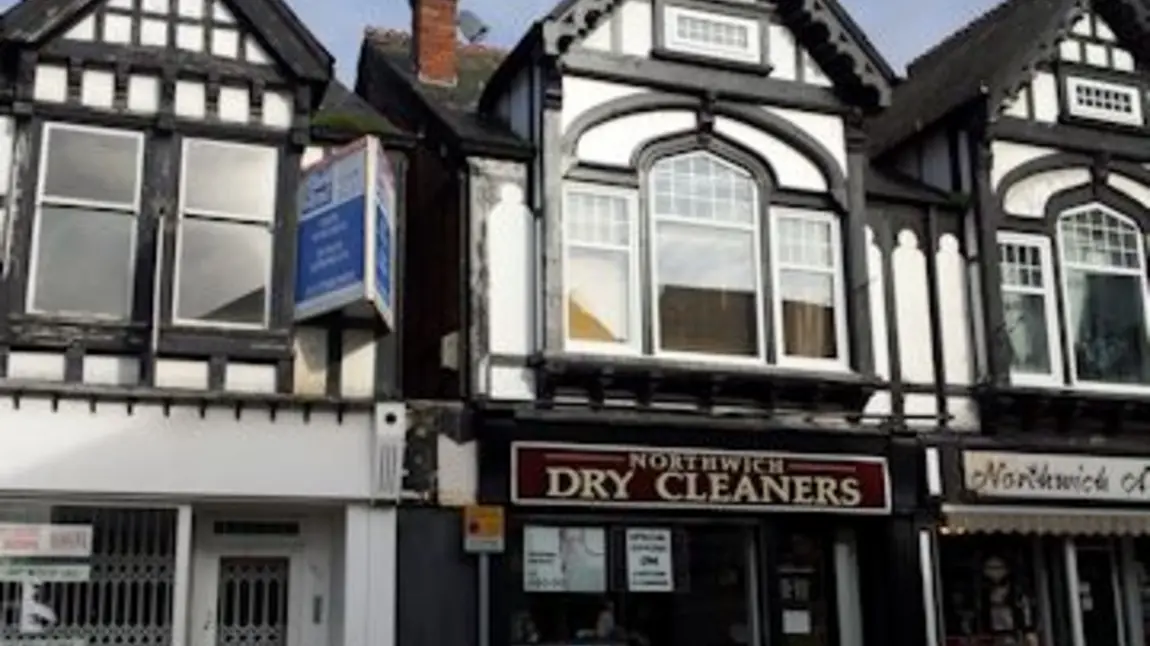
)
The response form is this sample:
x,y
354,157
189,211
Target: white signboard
x,y
564,559
649,561
21,573
1056,476
22,540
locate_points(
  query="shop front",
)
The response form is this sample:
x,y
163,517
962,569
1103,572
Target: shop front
x,y
1042,549
163,524
676,545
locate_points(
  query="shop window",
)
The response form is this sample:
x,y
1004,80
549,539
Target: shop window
x,y
990,591
647,586
107,578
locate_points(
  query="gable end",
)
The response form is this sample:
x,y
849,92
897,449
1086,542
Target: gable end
x,y
821,26
33,22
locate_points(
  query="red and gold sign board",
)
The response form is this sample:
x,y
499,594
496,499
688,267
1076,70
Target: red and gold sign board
x,y
679,478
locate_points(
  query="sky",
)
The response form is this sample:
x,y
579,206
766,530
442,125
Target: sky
x,y
901,29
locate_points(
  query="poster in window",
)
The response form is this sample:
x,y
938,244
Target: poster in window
x,y
564,559
649,561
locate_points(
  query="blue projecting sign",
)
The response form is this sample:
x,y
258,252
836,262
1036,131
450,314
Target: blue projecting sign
x,y
345,249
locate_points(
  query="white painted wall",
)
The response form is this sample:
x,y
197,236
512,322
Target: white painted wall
x,y
912,306
104,450
615,142
1028,197
583,94
827,129
1008,155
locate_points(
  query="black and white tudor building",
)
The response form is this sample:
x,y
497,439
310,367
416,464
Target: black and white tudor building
x,y
650,257
180,463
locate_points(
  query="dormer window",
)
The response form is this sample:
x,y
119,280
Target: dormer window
x,y
710,34
1102,293
716,274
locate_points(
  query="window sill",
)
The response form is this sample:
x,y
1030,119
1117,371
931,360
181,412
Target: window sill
x,y
1082,410
705,384
51,332
199,341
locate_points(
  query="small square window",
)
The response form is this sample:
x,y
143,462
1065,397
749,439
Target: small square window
x,y
710,34
1104,101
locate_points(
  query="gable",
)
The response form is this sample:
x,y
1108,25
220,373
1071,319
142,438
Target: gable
x,y
1089,74
259,32
715,34
195,26
795,40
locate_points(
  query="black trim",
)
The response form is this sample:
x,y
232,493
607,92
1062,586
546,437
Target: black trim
x,y
1071,138
937,347
987,218
333,382
855,264
607,176
673,76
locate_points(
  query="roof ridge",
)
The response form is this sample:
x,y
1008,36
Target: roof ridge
x,y
956,38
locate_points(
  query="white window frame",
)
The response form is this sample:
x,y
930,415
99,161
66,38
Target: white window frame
x,y
1050,309
634,344
241,219
841,362
131,210
1101,386
753,53
653,218
1135,118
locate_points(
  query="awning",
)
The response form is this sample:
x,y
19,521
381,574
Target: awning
x,y
976,519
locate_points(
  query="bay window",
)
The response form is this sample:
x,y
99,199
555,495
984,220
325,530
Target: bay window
x,y
225,242
705,257
84,236
705,266
1102,293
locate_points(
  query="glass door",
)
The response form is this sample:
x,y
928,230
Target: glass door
x,y
1096,593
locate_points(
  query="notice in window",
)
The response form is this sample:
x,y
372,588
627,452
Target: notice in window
x,y
649,561
564,559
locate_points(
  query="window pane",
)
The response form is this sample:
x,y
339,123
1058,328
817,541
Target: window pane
x,y
1026,328
230,179
808,306
706,281
223,272
989,591
83,262
1108,326
598,295
89,165
702,187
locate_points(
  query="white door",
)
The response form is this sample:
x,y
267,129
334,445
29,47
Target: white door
x,y
259,583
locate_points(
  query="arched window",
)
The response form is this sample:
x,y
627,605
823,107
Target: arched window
x,y
706,263
1104,285
703,269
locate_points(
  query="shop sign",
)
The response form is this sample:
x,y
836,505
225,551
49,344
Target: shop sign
x,y
22,573
625,476
649,560
26,540
1056,476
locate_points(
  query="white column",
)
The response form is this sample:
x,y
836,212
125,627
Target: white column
x,y
369,577
847,589
929,569
182,578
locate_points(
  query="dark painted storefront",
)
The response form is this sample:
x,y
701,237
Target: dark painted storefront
x,y
623,531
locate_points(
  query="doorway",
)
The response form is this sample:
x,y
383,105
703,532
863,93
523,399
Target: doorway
x,y
259,582
1097,601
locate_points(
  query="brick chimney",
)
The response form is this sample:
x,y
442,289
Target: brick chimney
x,y
434,43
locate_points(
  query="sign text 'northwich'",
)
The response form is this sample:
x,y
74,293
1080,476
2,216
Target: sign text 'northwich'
x,y
623,476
